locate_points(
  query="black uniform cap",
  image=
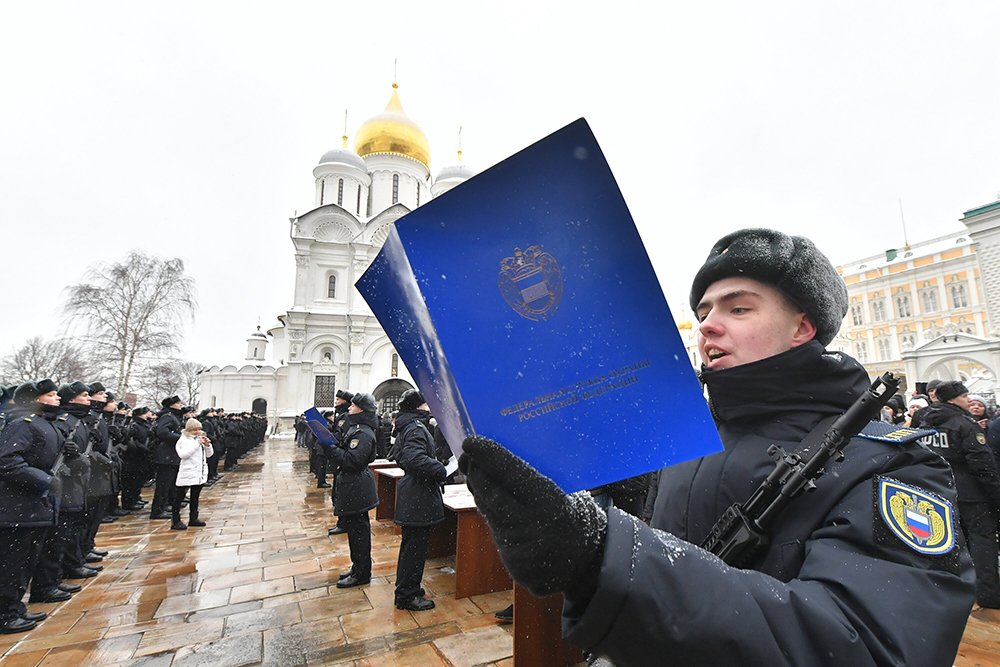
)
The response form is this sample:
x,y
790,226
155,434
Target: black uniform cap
x,y
950,389
96,387
791,264
364,401
68,392
170,400
410,400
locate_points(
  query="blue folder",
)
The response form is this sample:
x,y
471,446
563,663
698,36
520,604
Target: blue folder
x,y
526,308
318,425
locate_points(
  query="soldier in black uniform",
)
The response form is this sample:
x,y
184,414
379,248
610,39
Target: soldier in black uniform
x,y
136,457
418,498
74,398
961,441
29,492
865,570
101,470
168,429
338,423
356,486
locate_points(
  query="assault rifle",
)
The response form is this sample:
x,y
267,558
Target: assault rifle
x,y
743,530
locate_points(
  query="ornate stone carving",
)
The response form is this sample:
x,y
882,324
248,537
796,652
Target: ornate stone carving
x,y
296,334
302,261
357,337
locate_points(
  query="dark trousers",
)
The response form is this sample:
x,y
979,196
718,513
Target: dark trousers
x,y
132,479
48,570
72,528
232,455
166,475
320,468
410,566
19,550
213,465
98,510
979,523
359,539
178,496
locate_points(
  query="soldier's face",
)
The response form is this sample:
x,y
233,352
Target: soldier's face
x,y
961,401
743,320
48,398
81,399
354,410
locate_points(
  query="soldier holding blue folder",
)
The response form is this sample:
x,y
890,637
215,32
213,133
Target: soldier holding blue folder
x,y
866,570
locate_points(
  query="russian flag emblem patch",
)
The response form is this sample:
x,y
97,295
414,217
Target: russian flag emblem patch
x,y
921,520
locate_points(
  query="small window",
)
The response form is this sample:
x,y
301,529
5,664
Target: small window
x,y
395,188
959,296
358,209
340,192
322,191
331,287
418,194
903,308
857,314
395,365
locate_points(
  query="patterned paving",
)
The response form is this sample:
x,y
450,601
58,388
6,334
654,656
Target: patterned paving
x,y
256,587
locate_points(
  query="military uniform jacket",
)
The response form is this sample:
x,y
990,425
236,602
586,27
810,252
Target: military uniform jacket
x,y
962,443
835,587
139,437
355,492
75,471
101,467
168,429
29,446
418,493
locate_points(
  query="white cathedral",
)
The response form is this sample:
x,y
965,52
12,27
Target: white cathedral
x,y
329,339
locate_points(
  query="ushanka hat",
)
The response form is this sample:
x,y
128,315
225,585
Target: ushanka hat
x,y
950,389
411,400
791,264
364,401
170,400
68,392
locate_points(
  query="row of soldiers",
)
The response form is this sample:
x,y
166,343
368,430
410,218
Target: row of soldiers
x,y
72,458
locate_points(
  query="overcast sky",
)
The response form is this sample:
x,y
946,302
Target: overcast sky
x,y
190,129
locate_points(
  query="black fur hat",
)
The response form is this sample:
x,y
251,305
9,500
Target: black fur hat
x,y
410,400
950,389
140,411
26,393
96,387
344,395
45,386
364,401
68,392
791,264
170,400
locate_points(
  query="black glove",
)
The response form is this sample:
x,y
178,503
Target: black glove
x,y
71,449
550,541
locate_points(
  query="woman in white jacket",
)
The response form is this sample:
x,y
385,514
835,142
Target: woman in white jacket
x,y
194,448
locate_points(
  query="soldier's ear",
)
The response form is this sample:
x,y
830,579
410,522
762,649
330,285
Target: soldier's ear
x,y
805,330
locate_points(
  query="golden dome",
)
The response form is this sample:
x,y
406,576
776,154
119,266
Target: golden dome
x,y
393,132
684,325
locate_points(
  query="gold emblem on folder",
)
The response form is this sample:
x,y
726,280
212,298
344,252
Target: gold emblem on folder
x,y
531,282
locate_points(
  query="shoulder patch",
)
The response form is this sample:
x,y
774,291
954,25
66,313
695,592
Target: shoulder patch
x,y
981,438
354,443
893,433
920,519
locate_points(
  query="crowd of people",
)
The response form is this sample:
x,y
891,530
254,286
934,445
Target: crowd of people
x,y
74,457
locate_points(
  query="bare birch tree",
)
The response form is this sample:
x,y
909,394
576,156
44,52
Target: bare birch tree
x,y
59,360
171,377
132,309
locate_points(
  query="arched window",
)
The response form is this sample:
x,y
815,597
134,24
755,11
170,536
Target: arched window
x,y
884,349
322,191
331,287
369,211
358,211
340,192
929,300
959,296
395,365
861,350
857,314
418,194
878,310
903,308
395,188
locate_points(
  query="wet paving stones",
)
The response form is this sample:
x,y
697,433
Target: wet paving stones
x,y
255,586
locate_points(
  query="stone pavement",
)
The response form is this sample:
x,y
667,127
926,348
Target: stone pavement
x,y
256,587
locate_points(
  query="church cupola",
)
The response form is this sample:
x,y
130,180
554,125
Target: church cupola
x,y
342,178
452,175
256,345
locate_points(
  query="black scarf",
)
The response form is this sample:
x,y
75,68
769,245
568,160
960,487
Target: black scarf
x,y
796,388
78,410
363,418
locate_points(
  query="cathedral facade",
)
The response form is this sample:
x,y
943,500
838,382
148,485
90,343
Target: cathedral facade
x,y
328,339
